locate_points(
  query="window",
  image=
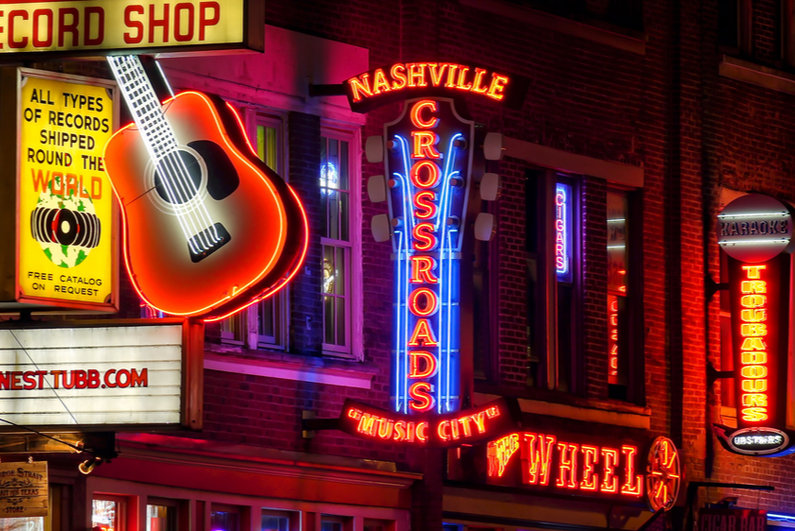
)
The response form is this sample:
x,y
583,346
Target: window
x,y
552,244
265,324
560,231
224,518
624,293
109,513
727,393
164,515
277,520
617,276
335,523
338,236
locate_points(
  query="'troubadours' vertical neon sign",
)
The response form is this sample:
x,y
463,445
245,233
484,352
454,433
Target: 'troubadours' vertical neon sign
x,y
755,231
428,165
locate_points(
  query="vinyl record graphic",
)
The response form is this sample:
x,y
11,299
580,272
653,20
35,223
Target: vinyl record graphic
x,y
67,228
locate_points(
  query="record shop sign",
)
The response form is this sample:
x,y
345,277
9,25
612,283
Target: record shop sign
x,y
23,489
65,214
78,27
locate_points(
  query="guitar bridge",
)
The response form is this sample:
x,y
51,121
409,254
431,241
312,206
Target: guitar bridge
x,y
208,235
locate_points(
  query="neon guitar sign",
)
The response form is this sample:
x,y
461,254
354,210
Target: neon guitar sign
x,y
208,227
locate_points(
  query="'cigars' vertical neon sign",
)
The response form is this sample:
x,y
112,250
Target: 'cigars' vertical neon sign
x,y
563,232
428,164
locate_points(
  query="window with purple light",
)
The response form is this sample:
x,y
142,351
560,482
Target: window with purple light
x,y
224,521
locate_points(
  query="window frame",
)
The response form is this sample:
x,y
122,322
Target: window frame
x,y
542,297
245,330
353,254
126,509
635,388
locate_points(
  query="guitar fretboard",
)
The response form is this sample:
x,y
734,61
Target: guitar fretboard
x,y
144,105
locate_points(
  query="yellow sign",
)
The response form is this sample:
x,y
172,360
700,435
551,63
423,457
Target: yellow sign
x,y
65,200
71,25
23,489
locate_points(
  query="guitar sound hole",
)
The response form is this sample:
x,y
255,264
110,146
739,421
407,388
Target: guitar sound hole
x,y
173,186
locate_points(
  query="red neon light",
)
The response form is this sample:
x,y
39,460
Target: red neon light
x,y
612,339
500,452
422,431
477,85
380,83
425,145
633,483
406,76
416,73
590,457
462,85
609,480
424,205
160,274
398,73
664,477
421,399
423,335
278,287
537,457
414,364
431,174
416,114
422,270
425,239
473,425
753,351
423,302
584,467
567,465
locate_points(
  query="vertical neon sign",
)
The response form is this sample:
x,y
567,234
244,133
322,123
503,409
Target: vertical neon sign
x,y
563,232
428,163
755,231
753,349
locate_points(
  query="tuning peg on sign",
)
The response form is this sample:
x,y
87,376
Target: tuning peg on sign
x,y
484,226
379,225
374,149
490,187
376,188
492,146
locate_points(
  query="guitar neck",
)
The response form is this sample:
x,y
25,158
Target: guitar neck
x,y
144,105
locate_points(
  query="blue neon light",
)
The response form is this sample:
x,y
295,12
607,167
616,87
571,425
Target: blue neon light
x,y
563,220
450,201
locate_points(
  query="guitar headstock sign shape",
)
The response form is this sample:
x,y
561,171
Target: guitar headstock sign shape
x,y
208,227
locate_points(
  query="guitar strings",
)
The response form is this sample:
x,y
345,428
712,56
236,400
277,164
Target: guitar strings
x,y
178,184
124,72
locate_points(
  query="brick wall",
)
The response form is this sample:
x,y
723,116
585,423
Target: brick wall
x,y
667,110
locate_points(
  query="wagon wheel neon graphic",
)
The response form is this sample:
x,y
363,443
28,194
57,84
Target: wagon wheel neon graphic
x,y
664,474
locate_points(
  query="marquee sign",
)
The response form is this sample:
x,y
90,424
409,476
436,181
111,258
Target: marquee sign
x,y
544,461
102,376
79,27
471,426
755,231
428,164
64,252
409,80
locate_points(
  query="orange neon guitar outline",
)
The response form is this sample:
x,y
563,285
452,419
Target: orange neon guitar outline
x,y
208,228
